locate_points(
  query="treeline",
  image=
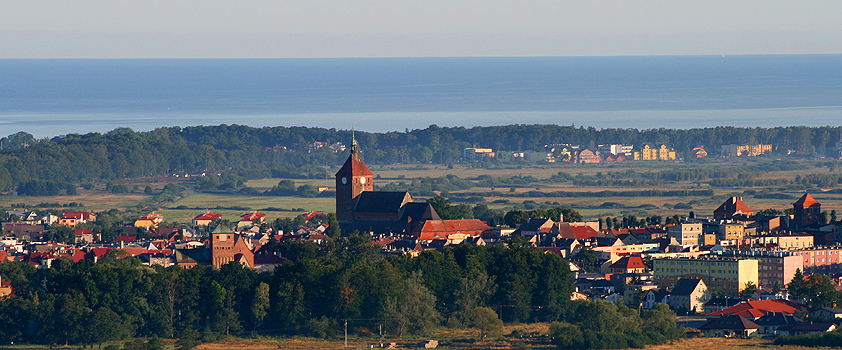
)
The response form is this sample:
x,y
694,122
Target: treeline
x,y
86,303
289,151
606,193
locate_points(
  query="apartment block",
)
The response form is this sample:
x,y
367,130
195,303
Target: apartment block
x,y
731,274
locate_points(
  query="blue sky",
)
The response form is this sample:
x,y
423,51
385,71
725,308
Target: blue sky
x,y
413,28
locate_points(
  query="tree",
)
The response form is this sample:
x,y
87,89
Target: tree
x,y
486,320
260,304
445,208
749,290
415,310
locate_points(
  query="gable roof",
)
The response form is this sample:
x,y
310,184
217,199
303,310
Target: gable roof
x,y
730,322
806,201
418,211
566,230
628,262
733,205
380,202
208,216
686,286
758,308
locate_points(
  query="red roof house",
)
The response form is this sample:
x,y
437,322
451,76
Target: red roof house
x,y
754,309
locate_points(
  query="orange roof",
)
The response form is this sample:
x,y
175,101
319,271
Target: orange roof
x,y
806,201
252,216
577,232
441,229
758,308
628,262
355,166
78,215
734,205
208,216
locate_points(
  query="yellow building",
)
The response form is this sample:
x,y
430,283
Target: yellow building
x,y
660,153
149,221
731,232
795,242
729,274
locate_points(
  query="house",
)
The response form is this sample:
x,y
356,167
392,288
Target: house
x,y
71,218
689,294
149,221
698,152
206,219
23,232
828,313
248,219
730,326
757,308
534,227
721,303
84,235
655,296
5,288
587,156
807,328
731,207
628,264
770,322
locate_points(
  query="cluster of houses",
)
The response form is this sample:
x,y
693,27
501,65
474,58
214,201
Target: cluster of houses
x,y
250,241
576,154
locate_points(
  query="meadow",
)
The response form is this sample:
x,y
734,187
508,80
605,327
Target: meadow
x,y
586,199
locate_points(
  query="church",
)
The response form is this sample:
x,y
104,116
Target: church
x,y
360,208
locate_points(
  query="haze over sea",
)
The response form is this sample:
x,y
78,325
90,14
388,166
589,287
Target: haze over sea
x,y
55,97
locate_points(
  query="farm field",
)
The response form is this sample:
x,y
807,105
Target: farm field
x,y
588,200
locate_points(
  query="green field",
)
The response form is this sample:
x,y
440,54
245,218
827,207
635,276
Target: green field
x,y
233,204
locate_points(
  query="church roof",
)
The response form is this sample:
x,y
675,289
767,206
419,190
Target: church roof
x,y
440,229
354,166
380,202
418,211
806,201
734,205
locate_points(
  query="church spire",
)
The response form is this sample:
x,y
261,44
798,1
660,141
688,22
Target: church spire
x,y
354,145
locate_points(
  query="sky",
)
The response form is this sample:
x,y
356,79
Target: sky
x,y
414,28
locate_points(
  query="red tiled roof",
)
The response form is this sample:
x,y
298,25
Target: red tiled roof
x,y
806,201
311,215
628,262
577,232
758,308
252,216
78,215
126,238
208,216
83,231
440,229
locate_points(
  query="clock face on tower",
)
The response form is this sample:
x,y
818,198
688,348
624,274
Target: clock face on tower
x,y
362,180
344,180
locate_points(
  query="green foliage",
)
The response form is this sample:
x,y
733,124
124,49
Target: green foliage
x,y
486,320
598,324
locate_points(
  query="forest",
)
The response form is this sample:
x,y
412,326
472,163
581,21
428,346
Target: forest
x,y
248,152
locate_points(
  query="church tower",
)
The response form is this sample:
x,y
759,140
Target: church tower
x,y
351,180
806,211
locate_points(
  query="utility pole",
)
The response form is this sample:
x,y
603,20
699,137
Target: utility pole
x,y
381,331
346,332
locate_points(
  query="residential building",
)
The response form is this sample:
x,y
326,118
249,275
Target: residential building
x,y
616,149
477,154
745,150
149,221
206,219
730,232
660,153
731,274
227,246
587,156
685,233
690,295
698,152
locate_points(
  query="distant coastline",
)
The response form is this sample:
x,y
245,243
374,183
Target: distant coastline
x,y
54,97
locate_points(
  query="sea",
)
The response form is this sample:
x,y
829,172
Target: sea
x,y
52,97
